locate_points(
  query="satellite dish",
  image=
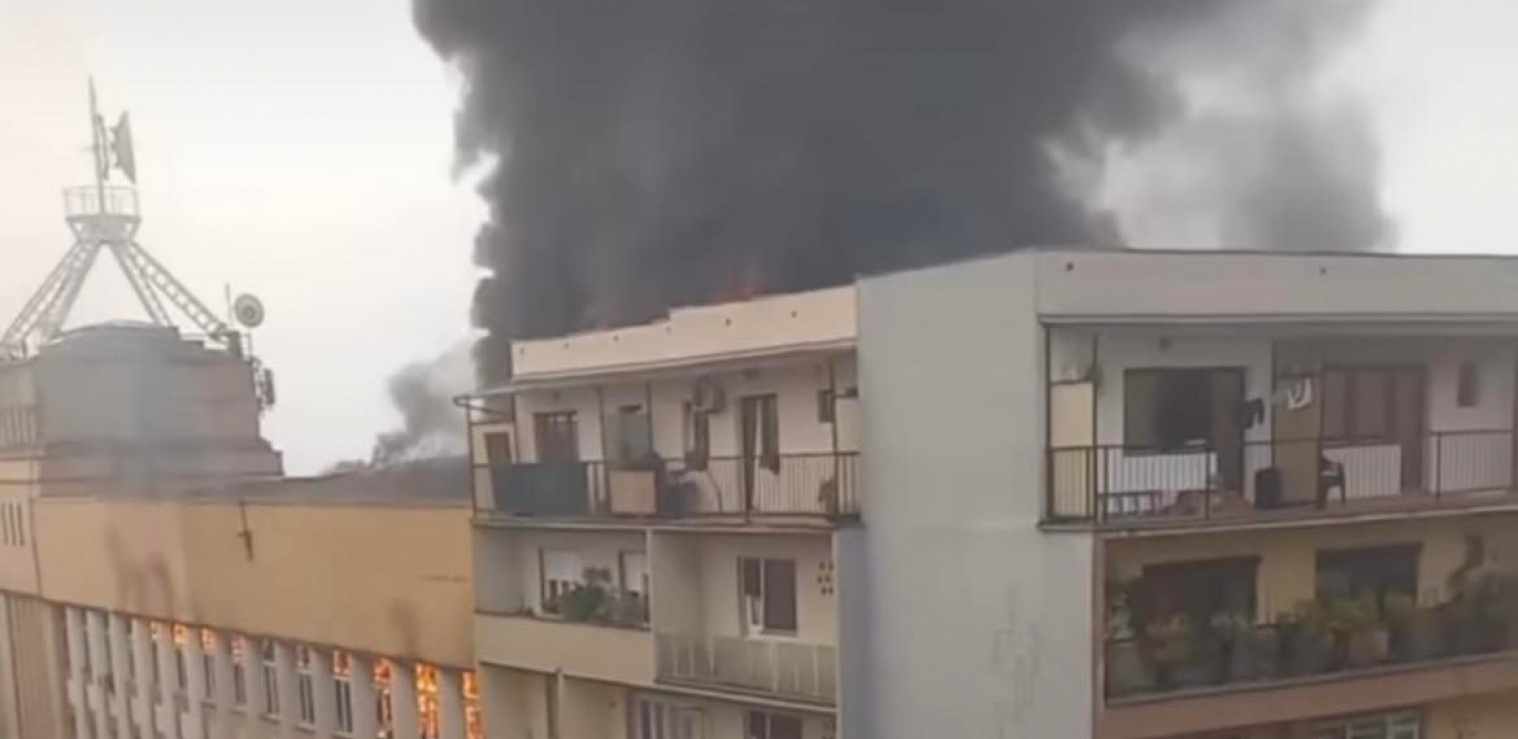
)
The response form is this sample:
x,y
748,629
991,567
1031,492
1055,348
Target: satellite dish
x,y
248,310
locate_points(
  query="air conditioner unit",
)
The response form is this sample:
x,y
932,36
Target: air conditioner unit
x,y
709,397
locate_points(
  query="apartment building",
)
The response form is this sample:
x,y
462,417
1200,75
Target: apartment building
x,y
1138,495
658,512
159,577
1059,493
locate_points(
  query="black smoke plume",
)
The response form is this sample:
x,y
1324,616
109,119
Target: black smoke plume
x,y
648,153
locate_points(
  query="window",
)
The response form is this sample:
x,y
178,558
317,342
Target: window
x,y
558,436
1170,409
562,572
305,688
768,594
1468,385
240,652
208,662
342,685
271,679
1406,725
427,701
759,427
1370,572
630,434
656,719
1371,404
181,635
765,725
498,448
1198,590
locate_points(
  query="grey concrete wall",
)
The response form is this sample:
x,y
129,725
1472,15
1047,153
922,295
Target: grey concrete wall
x,y
1141,284
973,622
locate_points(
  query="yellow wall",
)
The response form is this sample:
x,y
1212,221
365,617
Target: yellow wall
x,y
1486,717
1288,572
18,563
390,580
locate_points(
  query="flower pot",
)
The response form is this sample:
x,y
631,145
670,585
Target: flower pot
x,y
1252,657
1366,648
1127,670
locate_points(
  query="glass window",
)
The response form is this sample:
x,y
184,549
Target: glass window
x,y
765,725
768,594
271,679
305,687
1405,725
342,686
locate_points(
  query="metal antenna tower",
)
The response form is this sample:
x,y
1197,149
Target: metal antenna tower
x,y
105,217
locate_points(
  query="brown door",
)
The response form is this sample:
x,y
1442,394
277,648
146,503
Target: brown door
x,y
1228,427
1407,417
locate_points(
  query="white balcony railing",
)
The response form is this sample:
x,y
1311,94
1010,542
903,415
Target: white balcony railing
x,y
782,669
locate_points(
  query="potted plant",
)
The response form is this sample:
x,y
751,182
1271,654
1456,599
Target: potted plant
x,y
1352,629
1415,633
590,600
1172,648
1127,671
1302,646
1244,652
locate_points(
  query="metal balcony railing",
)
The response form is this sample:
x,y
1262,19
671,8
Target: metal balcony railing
x,y
824,484
1119,485
774,668
85,201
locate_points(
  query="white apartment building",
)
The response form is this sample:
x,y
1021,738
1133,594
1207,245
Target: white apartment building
x,y
1056,493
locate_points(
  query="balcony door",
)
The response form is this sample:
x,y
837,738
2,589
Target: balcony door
x,y
558,437
759,434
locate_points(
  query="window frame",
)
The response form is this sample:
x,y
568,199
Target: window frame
x,y
754,604
754,718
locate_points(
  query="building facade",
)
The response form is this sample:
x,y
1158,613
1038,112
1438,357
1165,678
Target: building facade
x,y
658,512
160,578
1059,493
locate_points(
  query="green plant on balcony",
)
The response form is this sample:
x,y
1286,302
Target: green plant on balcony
x,y
1127,669
596,600
1351,627
1482,615
1244,651
1173,646
1416,633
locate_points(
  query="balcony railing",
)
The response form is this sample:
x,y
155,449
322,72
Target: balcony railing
x,y
87,201
825,485
1121,486
780,669
1185,660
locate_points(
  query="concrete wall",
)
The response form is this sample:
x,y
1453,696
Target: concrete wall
x,y
389,580
977,623
1137,285
1484,717
795,384
143,385
717,579
764,325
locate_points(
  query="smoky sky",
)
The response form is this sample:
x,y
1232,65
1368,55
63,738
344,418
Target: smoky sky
x,y
650,153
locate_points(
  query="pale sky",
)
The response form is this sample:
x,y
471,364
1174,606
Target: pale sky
x,y
298,150
301,151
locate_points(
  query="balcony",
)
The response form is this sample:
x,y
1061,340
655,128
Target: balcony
x,y
597,652
778,669
1279,480
1178,678
807,485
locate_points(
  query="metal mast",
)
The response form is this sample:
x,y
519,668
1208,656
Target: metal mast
x,y
105,217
